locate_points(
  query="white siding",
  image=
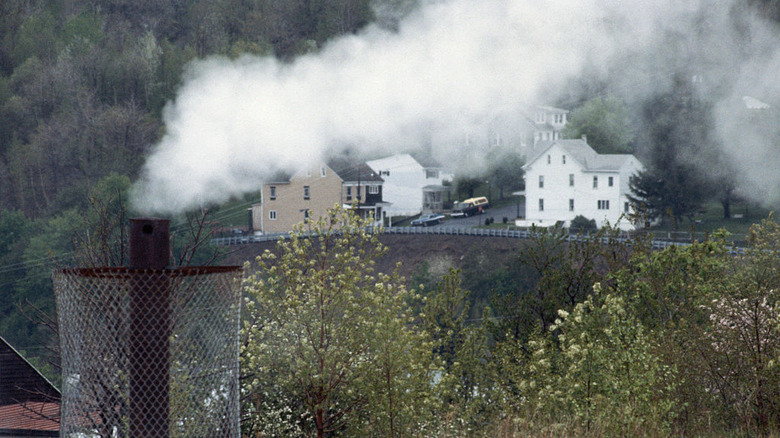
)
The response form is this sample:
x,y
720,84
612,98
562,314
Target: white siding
x,y
404,181
557,191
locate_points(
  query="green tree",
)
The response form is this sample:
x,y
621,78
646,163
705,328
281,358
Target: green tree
x,y
84,29
505,171
607,123
338,17
563,269
15,233
467,185
36,37
668,194
743,334
581,224
678,133
461,346
319,321
669,292
610,371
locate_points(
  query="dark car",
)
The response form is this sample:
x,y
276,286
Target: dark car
x,y
427,219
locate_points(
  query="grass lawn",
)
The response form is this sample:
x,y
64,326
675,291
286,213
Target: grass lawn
x,y
743,215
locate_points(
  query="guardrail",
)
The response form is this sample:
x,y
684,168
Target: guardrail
x,y
657,244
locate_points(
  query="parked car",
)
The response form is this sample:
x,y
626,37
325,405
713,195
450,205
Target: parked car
x,y
427,219
470,207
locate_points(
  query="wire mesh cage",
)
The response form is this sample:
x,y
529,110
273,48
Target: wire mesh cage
x,y
150,353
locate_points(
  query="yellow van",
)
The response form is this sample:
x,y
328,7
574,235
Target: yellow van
x,y
470,207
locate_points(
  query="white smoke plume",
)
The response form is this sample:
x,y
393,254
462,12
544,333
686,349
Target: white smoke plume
x,y
451,68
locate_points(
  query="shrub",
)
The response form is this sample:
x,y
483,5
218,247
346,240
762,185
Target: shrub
x,y
580,223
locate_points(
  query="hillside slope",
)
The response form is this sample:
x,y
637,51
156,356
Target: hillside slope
x,y
412,251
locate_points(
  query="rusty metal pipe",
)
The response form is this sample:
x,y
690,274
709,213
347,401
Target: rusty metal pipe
x,y
150,329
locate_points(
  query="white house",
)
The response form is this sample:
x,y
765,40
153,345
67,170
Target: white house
x,y
548,123
567,178
409,186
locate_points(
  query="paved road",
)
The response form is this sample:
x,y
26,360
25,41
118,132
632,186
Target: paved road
x,y
498,215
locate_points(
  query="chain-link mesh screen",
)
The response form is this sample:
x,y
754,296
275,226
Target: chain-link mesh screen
x,y
149,353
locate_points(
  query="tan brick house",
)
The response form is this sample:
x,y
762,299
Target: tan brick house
x,y
309,194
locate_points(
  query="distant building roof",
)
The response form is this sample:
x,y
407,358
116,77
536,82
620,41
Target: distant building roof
x,y
551,109
354,172
37,419
428,162
397,160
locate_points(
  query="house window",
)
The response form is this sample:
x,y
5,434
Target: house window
x,y
306,216
349,193
611,181
549,159
373,190
563,159
273,193
308,173
306,192
603,205
431,173
272,215
595,182
541,204
626,207
322,171
539,117
571,180
541,181
571,204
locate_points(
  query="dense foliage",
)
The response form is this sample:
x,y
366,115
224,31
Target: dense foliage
x,y
612,339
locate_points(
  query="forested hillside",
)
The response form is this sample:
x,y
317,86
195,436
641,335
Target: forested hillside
x,y
83,85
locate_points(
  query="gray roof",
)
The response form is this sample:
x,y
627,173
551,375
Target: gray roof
x,y
353,172
584,154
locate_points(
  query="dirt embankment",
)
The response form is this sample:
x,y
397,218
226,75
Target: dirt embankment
x,y
440,252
